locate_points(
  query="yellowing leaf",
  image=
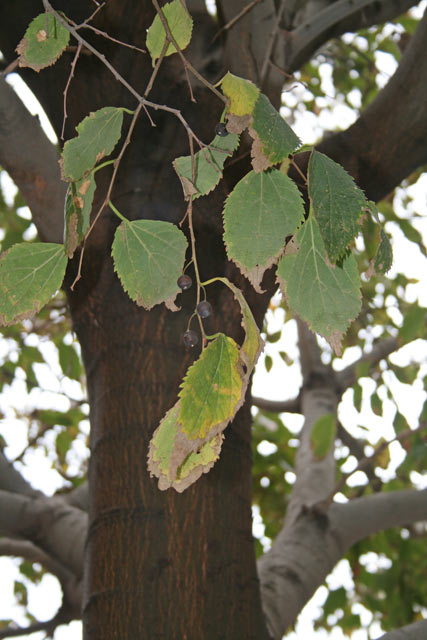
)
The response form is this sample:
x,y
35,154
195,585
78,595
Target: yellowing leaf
x,y
212,390
180,25
78,205
43,42
242,94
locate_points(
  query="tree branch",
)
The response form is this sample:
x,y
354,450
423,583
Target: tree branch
x,y
11,479
317,27
347,377
278,406
415,631
308,547
32,162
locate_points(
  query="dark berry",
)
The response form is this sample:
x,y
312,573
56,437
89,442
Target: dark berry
x,y
184,282
190,338
204,309
221,129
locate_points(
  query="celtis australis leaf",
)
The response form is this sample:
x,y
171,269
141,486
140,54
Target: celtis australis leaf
x,y
260,213
180,25
326,296
337,203
208,166
98,135
242,94
148,258
30,273
43,42
277,138
78,205
212,390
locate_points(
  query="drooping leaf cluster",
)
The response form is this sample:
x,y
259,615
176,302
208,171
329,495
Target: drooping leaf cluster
x,y
265,224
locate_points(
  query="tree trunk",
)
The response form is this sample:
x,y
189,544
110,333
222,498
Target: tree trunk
x,y
158,564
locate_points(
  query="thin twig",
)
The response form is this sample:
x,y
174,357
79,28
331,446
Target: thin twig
x,y
236,18
271,41
73,67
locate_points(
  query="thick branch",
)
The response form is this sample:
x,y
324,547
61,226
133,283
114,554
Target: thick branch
x,y
53,526
308,548
11,479
278,406
32,162
385,144
315,27
415,631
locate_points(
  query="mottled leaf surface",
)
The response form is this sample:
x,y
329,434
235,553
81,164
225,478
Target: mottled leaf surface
x,y
337,203
148,258
98,134
43,42
277,138
211,390
180,25
326,296
208,166
30,273
78,205
242,94
260,213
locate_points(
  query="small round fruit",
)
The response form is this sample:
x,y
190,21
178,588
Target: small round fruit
x,y
221,129
184,282
190,338
204,309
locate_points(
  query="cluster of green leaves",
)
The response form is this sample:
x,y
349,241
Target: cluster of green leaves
x,y
265,224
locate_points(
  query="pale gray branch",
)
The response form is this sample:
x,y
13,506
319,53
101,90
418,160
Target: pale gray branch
x,y
320,21
32,162
309,546
11,479
347,377
55,527
415,631
278,406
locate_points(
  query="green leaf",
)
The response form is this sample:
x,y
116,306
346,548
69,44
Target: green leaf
x,y
326,296
98,133
322,435
180,25
78,205
212,390
148,258
377,243
260,213
242,94
268,363
208,166
384,256
171,459
414,324
277,140
337,203
30,273
253,343
43,42
69,361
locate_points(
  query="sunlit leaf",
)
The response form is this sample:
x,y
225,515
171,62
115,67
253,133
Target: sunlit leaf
x,y
30,273
212,390
180,25
149,258
260,213
98,134
43,42
242,94
326,296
